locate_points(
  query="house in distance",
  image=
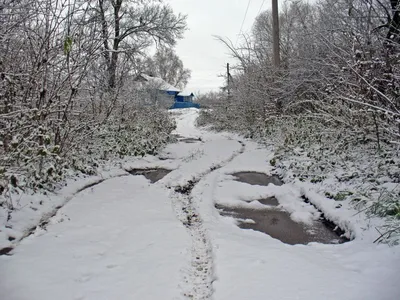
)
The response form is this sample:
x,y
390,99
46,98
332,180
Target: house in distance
x,y
157,91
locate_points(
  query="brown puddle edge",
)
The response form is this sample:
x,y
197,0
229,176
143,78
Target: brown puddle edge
x,y
153,175
278,224
257,178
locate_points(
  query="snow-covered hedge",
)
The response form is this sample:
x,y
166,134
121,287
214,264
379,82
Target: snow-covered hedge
x,y
35,159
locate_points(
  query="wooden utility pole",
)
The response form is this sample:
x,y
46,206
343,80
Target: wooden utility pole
x,y
275,33
228,75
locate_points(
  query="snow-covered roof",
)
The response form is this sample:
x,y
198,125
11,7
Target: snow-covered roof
x,y
160,83
185,94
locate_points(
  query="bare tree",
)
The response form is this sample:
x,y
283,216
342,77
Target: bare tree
x,y
62,69
167,65
128,27
334,62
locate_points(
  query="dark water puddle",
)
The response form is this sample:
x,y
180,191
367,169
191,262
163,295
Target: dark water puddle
x,y
279,225
6,250
188,140
256,178
272,201
153,175
329,224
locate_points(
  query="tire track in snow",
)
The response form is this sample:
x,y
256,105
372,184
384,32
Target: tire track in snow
x,y
199,275
46,217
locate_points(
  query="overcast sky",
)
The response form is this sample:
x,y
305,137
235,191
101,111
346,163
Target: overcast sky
x,y
199,50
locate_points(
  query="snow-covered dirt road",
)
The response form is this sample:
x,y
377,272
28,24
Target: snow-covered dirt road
x,y
129,238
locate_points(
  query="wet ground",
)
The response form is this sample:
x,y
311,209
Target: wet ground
x,y
256,178
269,201
278,224
153,175
188,140
273,221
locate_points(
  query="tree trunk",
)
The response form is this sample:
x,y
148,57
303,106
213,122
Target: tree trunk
x,y
104,33
112,70
394,26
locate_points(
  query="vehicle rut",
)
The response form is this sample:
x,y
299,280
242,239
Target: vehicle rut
x,y
199,275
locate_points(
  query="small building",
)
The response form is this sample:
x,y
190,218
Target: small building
x,y
157,91
184,97
184,100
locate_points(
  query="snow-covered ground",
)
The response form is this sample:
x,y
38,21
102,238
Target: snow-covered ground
x,y
252,265
128,238
113,241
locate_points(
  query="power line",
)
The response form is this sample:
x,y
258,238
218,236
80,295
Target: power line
x,y
244,19
262,4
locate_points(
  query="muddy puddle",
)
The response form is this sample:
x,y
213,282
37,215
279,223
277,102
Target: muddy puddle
x,y
6,251
278,224
188,140
153,175
256,178
269,201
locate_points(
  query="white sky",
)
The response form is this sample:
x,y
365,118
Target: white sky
x,y
199,50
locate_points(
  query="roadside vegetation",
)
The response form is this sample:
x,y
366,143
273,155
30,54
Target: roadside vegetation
x,y
67,98
331,112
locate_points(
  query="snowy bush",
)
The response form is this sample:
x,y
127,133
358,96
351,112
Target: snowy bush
x,y
343,163
67,103
35,160
331,111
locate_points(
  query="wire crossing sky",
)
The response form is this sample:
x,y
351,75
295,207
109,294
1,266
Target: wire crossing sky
x,y
244,19
199,50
